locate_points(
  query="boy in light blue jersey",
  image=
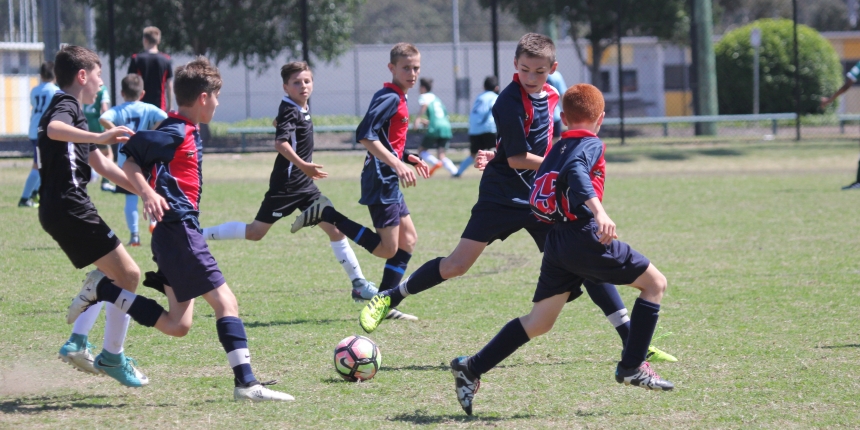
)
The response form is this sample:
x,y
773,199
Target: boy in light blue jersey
x,y
40,98
557,81
137,116
482,126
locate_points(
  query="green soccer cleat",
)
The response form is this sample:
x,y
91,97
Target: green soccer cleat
x,y
655,355
374,312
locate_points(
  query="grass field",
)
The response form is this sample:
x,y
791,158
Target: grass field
x,y
759,244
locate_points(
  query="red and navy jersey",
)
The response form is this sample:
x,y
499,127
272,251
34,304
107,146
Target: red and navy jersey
x,y
155,69
524,124
63,166
573,172
171,158
386,120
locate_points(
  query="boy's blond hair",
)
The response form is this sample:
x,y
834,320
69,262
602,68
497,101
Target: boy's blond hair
x,y
289,69
195,78
582,104
70,60
536,46
402,50
152,35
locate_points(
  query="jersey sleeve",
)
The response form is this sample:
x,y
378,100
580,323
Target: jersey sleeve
x,y
381,109
286,127
110,115
425,99
576,171
147,148
511,130
169,65
65,111
104,96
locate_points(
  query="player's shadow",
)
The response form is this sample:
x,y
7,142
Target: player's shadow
x,y
668,156
619,158
721,152
421,417
38,405
254,324
446,367
847,345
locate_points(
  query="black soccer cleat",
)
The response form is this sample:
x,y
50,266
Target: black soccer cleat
x,y
643,376
466,384
853,186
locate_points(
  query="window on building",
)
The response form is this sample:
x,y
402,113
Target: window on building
x,y
676,77
605,82
629,81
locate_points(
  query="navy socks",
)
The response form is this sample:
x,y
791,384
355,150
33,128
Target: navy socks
x,y
643,321
231,333
395,268
141,309
509,339
606,297
427,276
359,234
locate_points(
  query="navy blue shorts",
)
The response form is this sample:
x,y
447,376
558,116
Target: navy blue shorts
x,y
184,261
35,144
573,255
491,221
384,215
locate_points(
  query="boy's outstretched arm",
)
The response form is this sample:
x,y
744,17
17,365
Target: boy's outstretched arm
x,y
311,169
407,176
107,168
525,161
58,130
153,204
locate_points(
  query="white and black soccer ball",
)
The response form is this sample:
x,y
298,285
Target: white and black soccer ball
x,y
357,358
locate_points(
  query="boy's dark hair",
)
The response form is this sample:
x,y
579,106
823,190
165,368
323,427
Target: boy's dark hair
x,y
427,83
537,46
491,83
132,86
152,35
582,103
402,50
46,71
195,78
289,69
70,60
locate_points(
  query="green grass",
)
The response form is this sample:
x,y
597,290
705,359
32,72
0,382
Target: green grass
x,y
758,243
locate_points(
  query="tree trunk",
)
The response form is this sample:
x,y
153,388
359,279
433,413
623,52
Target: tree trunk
x,y
594,68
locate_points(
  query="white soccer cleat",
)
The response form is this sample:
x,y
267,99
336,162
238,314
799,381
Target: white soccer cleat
x,y
259,393
394,314
86,297
312,215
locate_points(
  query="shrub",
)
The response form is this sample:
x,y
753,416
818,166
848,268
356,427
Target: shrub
x,y
820,69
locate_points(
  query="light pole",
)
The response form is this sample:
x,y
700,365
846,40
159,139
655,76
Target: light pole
x,y
755,41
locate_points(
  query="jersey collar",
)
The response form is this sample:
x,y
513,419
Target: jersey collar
x,y
395,88
176,115
290,101
577,133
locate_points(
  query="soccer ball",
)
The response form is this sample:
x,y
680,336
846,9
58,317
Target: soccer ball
x,y
357,358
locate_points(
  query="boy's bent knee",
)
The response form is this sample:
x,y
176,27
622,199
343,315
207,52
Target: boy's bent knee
x,y
536,326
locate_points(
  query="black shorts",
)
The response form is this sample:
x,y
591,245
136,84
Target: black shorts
x,y
430,142
573,254
277,206
183,259
491,221
481,141
80,232
384,215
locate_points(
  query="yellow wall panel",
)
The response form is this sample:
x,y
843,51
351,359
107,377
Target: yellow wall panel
x,y
679,103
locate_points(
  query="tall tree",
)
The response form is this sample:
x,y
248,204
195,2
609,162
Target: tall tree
x,y
252,32
597,21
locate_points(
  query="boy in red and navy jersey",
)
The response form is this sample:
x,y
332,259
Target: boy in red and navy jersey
x,y
164,167
383,133
580,246
523,116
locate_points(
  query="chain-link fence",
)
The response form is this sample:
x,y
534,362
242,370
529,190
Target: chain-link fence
x,y
653,89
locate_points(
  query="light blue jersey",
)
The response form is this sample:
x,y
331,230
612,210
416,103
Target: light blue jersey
x,y
137,116
557,81
481,116
40,98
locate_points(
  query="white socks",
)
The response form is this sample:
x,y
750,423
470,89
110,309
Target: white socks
x,y
85,321
226,231
449,165
116,326
429,158
346,257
